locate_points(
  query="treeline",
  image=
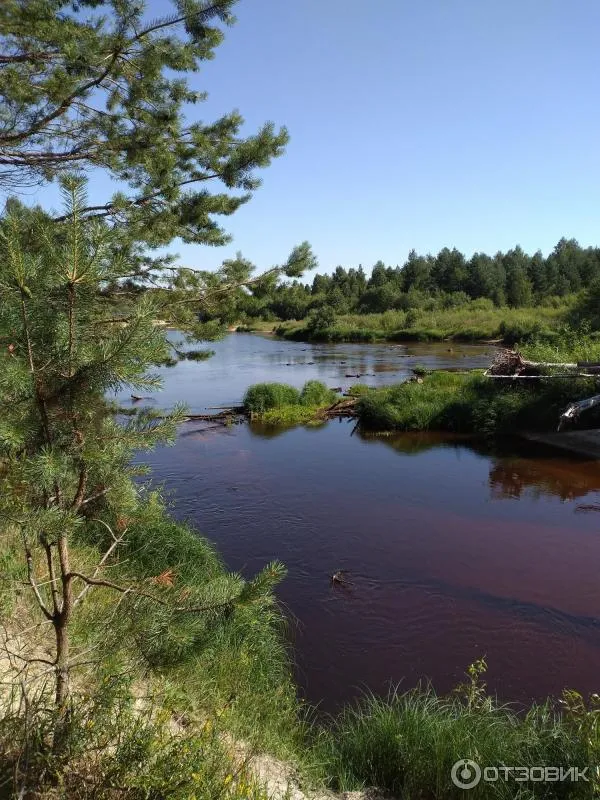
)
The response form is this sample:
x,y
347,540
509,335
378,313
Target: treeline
x,y
448,279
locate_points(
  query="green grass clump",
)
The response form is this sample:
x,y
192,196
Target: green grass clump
x,y
288,416
279,405
315,393
418,407
358,390
472,403
407,744
265,396
421,371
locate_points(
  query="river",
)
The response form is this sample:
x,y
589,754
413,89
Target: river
x,y
454,550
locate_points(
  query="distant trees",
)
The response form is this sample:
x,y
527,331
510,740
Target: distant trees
x,y
514,278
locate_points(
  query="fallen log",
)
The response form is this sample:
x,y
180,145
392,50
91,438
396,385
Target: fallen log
x,y
511,364
225,417
575,409
344,407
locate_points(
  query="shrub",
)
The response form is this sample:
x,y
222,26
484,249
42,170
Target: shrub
x,y
420,370
114,748
587,307
265,396
320,319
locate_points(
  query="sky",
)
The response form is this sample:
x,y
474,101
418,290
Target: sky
x,y
414,124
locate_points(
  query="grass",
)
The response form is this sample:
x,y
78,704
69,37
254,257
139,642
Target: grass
x,y
470,323
470,403
263,397
440,401
572,346
407,744
280,405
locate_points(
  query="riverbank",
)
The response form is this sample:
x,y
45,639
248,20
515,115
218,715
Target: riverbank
x,y
471,323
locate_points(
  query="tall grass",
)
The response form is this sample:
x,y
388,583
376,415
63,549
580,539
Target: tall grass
x,y
470,403
280,405
407,744
315,393
572,345
265,396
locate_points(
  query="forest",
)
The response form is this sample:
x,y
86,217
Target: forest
x,y
446,280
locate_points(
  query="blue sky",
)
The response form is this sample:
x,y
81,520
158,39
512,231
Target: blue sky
x,y
414,123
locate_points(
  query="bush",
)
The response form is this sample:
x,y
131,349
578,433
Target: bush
x,y
320,319
587,307
266,396
315,393
115,748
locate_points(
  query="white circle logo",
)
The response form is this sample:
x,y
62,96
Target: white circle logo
x,y
466,773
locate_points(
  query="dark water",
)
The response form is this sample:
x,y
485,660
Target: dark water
x,y
453,552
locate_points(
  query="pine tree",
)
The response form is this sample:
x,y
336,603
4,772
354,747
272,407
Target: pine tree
x,y
65,459
95,84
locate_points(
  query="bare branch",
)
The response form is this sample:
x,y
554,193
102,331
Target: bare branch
x,y
34,586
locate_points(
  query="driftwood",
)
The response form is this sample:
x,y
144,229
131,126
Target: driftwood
x,y
228,416
575,409
345,407
225,417
511,364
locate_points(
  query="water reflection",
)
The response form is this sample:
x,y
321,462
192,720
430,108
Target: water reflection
x,y
541,472
455,549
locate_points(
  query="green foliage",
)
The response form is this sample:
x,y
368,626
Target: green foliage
x,y
266,396
97,84
469,322
232,655
420,371
289,416
320,319
447,401
587,308
315,393
407,744
117,746
278,404
117,578
358,390
410,300
569,346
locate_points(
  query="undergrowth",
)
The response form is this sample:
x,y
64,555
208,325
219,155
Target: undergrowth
x,y
471,403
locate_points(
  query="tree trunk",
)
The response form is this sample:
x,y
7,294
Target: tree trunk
x,y
62,664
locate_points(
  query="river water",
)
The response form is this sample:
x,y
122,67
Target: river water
x,y
454,551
